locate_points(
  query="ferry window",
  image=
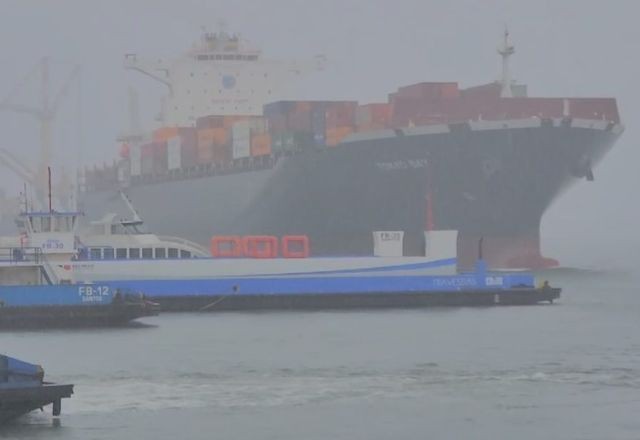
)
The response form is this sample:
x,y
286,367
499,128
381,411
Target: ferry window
x,y
147,253
218,57
202,57
107,253
173,253
185,254
227,57
121,253
134,253
238,57
95,253
161,253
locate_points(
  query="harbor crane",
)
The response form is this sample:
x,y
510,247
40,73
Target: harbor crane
x,y
45,114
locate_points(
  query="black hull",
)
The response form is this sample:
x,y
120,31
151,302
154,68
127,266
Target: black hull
x,y
373,300
491,183
37,317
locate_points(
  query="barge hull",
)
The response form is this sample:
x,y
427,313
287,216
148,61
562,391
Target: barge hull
x,y
373,300
33,317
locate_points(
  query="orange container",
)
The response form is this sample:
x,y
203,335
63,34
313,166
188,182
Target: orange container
x,y
165,133
335,135
205,153
213,136
261,144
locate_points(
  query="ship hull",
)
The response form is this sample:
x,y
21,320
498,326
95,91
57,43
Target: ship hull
x,y
490,181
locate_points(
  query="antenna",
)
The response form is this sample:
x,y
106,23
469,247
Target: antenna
x,y
49,184
506,50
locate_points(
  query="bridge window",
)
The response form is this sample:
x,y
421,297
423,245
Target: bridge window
x,y
121,253
147,253
134,253
161,253
185,254
108,253
172,253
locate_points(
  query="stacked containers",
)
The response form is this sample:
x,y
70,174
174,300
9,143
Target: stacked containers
x,y
250,138
371,117
340,119
163,134
297,125
188,147
153,158
213,146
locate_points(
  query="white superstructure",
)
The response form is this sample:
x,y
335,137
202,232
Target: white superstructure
x,y
221,75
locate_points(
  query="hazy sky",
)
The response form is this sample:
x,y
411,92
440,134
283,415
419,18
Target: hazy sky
x,y
563,48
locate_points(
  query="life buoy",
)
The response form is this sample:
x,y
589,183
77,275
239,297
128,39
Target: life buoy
x,y
227,246
260,246
295,246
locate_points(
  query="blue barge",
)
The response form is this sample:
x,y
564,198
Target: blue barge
x,y
23,389
309,292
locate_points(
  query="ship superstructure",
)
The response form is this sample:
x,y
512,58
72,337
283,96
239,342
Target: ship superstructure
x,y
221,75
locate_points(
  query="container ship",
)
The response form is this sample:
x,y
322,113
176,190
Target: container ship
x,y
230,159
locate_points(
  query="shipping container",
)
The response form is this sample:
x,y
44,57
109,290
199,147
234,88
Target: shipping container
x,y
242,132
430,91
221,153
337,134
165,133
210,136
376,115
261,145
341,114
188,147
319,125
289,141
174,156
207,122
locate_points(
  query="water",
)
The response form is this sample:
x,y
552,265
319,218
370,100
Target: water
x,y
568,371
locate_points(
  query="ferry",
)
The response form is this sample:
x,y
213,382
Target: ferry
x,y
33,294
266,272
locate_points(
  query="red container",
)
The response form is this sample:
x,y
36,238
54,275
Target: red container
x,y
213,121
429,91
188,147
341,114
605,109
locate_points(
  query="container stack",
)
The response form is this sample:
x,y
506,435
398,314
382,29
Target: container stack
x,y
371,117
300,125
250,138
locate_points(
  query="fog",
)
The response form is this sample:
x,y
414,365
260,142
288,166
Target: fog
x,y
576,48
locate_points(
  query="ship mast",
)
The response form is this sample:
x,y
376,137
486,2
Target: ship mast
x,y
506,50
